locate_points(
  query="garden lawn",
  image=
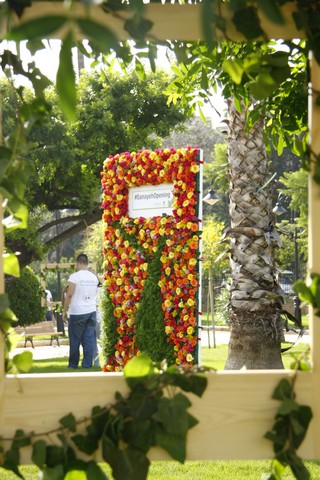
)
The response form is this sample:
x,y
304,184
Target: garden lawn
x,y
216,357
210,357
210,470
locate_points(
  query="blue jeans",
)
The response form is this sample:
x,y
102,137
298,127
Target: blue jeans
x,y
81,332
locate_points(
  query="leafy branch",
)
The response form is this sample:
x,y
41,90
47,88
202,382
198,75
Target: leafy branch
x,y
309,292
154,413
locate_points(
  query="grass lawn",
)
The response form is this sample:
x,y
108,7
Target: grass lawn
x,y
216,357
57,365
210,357
210,470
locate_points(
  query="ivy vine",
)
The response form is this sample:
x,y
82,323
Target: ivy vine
x,y
153,413
288,432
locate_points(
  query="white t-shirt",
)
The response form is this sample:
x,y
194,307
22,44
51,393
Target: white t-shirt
x,y
84,297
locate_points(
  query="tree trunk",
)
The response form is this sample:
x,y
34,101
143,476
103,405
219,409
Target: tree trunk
x,y
256,325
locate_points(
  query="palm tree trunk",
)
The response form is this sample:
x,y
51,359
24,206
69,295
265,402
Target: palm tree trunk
x,y
256,326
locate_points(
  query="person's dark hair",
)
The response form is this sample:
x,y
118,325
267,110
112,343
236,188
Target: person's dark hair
x,y
83,259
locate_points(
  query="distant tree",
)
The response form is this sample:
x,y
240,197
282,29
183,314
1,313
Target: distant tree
x,y
92,245
116,113
212,248
293,224
195,132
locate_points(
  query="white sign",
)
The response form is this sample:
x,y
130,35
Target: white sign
x,y
151,200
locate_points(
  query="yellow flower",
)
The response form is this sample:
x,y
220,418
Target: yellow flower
x,y
194,168
190,330
168,303
168,329
189,357
168,271
190,302
193,261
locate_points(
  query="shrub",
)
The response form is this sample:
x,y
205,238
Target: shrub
x,y
25,294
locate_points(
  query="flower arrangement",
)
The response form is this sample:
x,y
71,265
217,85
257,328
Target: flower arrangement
x,y
130,244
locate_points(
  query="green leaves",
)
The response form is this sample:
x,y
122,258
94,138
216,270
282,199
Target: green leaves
x,y
38,28
247,22
11,264
100,35
309,292
69,422
22,361
66,79
39,453
262,74
138,369
288,432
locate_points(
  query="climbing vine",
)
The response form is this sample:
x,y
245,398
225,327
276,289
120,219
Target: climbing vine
x,y
153,413
290,427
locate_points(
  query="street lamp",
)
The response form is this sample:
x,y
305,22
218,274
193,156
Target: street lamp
x,y
211,198
279,209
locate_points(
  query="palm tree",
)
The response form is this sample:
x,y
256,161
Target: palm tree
x,y
256,325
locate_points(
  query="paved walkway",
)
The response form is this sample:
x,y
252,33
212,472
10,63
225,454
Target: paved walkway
x,y
220,336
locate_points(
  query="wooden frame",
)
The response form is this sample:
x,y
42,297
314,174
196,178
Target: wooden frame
x,y
237,408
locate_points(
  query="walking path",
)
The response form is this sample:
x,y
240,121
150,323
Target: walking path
x,y
208,338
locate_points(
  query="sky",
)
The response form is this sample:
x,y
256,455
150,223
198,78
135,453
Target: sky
x,y
48,59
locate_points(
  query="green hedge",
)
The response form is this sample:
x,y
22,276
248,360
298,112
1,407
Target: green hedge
x,y
149,318
25,294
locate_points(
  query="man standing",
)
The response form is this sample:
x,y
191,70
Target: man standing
x,y
81,302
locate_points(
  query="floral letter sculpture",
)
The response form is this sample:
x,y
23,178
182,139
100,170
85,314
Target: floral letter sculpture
x,y
131,243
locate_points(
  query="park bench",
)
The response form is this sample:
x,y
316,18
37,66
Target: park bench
x,y
45,328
